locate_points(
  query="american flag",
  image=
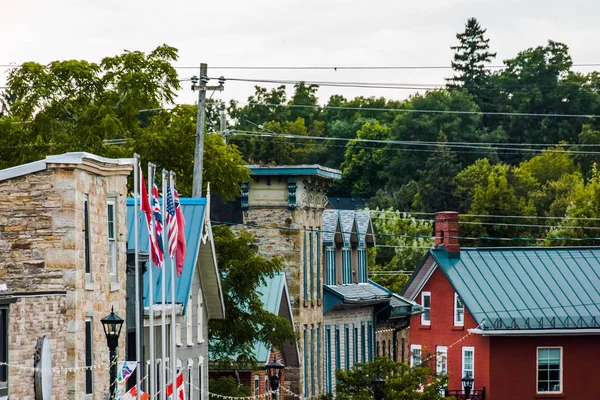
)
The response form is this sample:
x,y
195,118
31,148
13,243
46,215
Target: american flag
x,y
171,223
181,246
158,227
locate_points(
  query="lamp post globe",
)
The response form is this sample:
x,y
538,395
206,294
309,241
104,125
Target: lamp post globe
x,y
467,382
112,325
378,385
274,369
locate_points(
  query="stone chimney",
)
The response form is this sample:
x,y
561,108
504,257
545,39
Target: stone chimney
x,y
445,231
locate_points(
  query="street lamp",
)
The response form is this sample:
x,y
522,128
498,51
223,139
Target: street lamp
x,y
274,369
467,382
112,325
378,384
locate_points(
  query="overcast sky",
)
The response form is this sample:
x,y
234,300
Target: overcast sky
x,y
293,33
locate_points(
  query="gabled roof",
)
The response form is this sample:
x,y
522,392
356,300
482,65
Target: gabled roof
x,y
348,203
349,227
365,229
200,254
72,158
295,170
275,298
527,288
332,229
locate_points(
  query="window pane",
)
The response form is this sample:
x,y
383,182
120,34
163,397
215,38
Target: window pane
x,y
459,303
426,315
111,221
88,357
427,301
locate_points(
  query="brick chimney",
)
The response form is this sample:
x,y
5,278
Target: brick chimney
x,y
446,231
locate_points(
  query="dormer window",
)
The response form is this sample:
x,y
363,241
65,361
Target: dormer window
x,y
346,265
330,278
362,265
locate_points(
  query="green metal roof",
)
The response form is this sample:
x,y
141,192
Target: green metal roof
x,y
528,287
295,170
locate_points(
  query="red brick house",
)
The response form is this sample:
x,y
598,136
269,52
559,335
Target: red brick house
x,y
522,322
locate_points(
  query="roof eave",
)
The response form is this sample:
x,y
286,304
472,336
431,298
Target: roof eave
x,y
536,332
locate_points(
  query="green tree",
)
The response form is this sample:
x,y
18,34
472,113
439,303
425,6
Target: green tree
x,y
402,240
227,386
242,271
470,56
402,382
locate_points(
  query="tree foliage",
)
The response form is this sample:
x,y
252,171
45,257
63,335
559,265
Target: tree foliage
x,y
242,271
402,382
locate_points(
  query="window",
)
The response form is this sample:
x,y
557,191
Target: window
x,y
311,262
4,351
112,239
347,346
328,373
346,265
190,381
330,278
319,360
389,349
319,250
549,369
312,360
200,378
256,385
442,360
415,355
426,304
188,322
304,267
468,362
363,342
383,348
89,372
338,362
355,344
86,234
200,318
459,311
370,341
362,265
305,349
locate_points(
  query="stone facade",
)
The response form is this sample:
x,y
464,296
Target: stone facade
x,y
42,263
287,205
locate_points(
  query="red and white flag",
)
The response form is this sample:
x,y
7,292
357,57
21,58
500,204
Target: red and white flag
x,y
181,246
158,225
179,389
171,220
132,394
156,255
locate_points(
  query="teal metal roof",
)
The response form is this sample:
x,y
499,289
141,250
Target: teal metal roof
x,y
527,288
296,170
193,211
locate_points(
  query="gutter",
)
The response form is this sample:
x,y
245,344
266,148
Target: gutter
x,y
536,332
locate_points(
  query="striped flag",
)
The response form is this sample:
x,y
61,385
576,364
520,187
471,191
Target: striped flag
x,y
179,388
181,246
158,226
171,223
156,257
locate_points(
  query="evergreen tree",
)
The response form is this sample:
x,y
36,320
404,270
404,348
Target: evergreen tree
x,y
470,55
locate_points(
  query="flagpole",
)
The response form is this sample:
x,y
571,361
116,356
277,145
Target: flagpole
x,y
138,332
151,288
173,333
163,328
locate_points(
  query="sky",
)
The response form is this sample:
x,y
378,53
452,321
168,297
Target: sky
x,y
230,33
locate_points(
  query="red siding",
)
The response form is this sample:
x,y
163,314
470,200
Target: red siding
x,y
442,332
513,367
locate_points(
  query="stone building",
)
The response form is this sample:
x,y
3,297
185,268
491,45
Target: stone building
x,y
198,298
355,309
282,207
62,268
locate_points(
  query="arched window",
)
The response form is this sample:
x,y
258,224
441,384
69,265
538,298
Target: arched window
x,y
200,317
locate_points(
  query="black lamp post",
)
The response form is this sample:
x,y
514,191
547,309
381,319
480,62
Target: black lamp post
x,y
378,385
274,369
467,382
112,325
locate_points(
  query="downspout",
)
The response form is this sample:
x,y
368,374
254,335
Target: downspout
x,y
395,337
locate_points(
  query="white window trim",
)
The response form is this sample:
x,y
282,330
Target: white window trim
x,y
114,267
91,321
441,357
188,323
537,365
255,389
178,334
464,350
201,371
412,348
190,372
456,321
200,317
423,295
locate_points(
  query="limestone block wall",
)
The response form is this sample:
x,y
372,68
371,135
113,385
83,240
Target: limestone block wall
x,y
385,332
42,249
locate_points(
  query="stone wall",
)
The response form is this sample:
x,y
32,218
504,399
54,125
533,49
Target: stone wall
x,y
42,249
385,332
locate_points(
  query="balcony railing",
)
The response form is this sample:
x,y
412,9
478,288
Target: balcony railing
x,y
460,395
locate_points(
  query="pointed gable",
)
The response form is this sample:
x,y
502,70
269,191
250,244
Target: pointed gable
x,y
366,236
332,229
349,227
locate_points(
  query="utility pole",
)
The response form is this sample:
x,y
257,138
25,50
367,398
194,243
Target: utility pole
x,y
199,149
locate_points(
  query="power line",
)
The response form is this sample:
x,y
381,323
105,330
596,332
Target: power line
x,y
410,110
354,67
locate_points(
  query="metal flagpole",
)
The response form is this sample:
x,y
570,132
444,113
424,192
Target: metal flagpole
x,y
138,332
151,288
163,282
173,333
